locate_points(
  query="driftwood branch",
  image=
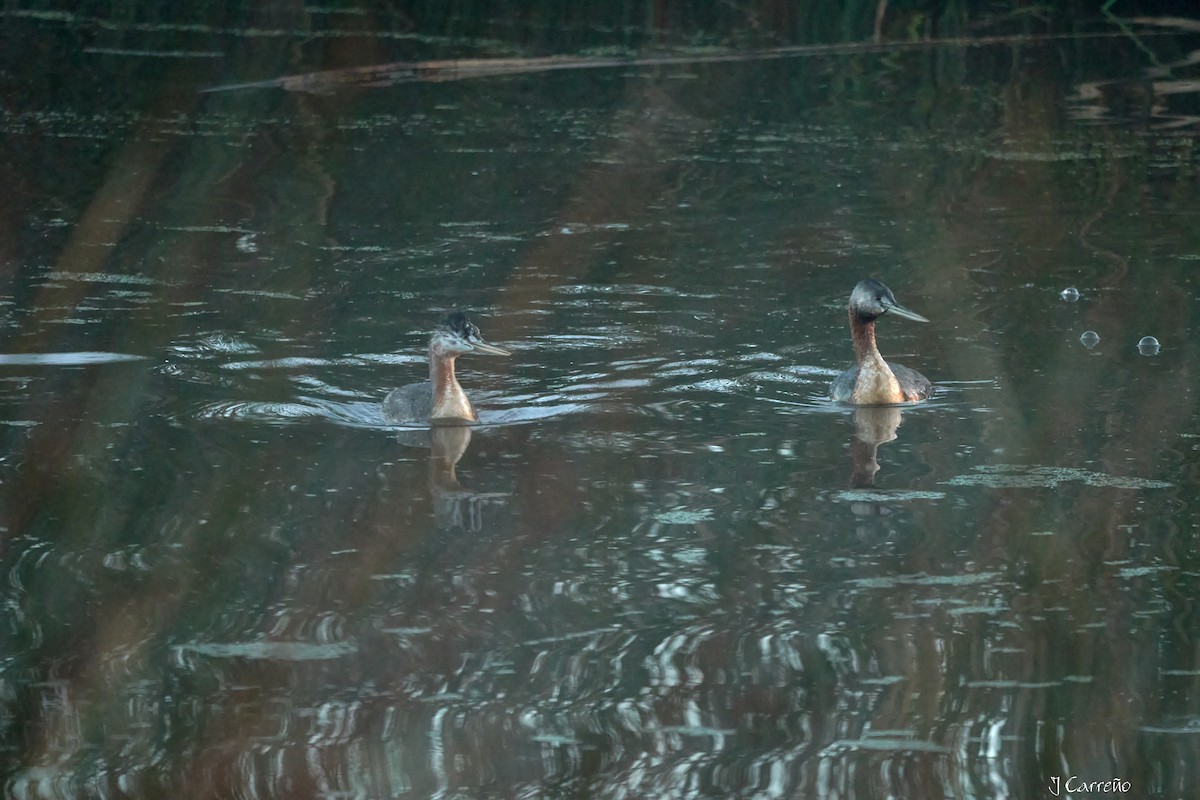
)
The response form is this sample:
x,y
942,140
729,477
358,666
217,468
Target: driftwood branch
x,y
468,68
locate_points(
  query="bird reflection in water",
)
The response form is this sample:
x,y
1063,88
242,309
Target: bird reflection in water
x,y
454,505
873,426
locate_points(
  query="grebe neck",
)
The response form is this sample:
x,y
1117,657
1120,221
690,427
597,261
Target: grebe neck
x,y
876,383
449,399
862,331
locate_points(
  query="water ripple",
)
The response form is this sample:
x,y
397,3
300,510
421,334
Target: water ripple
x,y
278,651
1015,476
67,359
365,413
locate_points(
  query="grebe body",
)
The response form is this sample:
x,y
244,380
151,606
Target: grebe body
x,y
441,399
873,381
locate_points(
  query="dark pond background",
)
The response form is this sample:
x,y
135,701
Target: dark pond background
x,y
665,566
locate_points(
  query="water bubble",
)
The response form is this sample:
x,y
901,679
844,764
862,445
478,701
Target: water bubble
x,y
1148,346
1069,294
1089,339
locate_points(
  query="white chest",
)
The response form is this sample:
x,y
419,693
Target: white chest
x,y
450,401
876,385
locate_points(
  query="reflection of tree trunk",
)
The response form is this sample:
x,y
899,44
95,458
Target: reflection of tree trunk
x,y
1120,263
89,251
620,185
1054,403
880,13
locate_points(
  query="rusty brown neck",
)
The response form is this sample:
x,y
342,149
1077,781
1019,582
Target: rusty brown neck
x,y
863,333
449,399
441,371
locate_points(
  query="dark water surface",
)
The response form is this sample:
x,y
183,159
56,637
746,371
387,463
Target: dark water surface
x,y
665,566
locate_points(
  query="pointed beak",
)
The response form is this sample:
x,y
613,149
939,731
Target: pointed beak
x,y
488,349
901,311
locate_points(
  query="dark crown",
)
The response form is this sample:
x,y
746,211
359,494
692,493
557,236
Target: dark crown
x,y
457,323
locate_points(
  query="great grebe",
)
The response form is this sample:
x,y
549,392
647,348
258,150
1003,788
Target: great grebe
x,y
441,399
874,382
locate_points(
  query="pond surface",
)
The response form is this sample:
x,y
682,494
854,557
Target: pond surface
x,y
665,565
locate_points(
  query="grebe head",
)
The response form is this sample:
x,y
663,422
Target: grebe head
x,y
871,299
457,335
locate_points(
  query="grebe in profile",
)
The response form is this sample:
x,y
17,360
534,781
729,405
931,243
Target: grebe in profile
x,y
874,382
441,398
